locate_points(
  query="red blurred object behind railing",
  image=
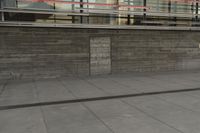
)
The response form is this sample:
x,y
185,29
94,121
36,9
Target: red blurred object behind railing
x,y
86,3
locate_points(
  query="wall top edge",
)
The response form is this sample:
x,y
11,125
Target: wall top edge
x,y
88,26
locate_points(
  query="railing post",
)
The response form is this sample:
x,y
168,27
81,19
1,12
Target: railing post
x,y
16,2
197,9
169,6
2,13
144,4
81,6
73,9
129,16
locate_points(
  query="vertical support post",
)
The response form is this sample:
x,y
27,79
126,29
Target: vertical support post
x,y
145,4
2,13
169,6
118,16
81,6
175,10
88,17
54,8
197,10
129,16
169,9
16,2
73,17
192,7
192,10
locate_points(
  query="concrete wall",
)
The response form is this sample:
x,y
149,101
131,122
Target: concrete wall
x,y
37,52
155,51
54,52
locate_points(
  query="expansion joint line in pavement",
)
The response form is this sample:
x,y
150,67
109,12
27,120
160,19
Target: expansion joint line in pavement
x,y
8,107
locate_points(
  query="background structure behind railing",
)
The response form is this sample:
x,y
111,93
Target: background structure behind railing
x,y
102,12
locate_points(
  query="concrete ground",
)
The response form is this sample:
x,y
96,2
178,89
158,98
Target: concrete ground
x,y
128,103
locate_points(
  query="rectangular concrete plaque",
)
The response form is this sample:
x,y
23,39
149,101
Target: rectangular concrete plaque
x,y
100,60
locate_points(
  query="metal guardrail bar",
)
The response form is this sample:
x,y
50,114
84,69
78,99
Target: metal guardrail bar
x,y
77,10
43,12
96,11
95,26
142,12
170,22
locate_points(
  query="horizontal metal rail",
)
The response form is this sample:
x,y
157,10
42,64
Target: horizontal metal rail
x,y
43,12
171,22
88,11
140,12
97,26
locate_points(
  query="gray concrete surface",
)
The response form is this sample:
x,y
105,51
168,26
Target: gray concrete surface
x,y
167,113
28,52
22,121
69,88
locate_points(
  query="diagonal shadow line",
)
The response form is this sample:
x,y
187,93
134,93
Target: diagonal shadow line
x,y
9,107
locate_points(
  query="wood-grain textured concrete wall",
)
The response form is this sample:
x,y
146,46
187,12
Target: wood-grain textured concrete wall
x,y
140,51
54,52
38,52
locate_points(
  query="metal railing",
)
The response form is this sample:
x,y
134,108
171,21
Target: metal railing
x,y
88,11
114,12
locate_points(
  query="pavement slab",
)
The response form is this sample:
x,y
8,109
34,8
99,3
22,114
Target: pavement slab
x,y
178,117
82,89
52,90
112,87
28,120
18,92
73,118
122,118
184,100
137,84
